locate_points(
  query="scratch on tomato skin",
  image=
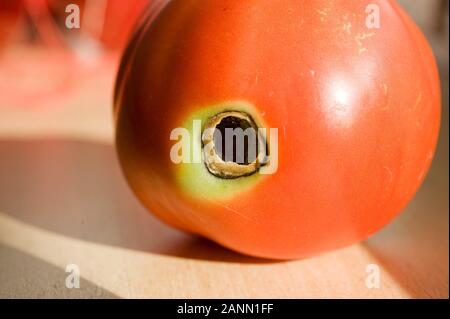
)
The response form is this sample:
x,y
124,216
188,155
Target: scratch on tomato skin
x,y
363,36
253,220
360,37
388,181
422,174
362,50
235,212
390,173
323,13
357,15
226,207
418,100
384,87
347,27
256,80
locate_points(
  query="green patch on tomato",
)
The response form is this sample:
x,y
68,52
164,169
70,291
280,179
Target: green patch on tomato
x,y
194,178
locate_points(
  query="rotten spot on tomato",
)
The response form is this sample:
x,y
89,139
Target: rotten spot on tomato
x,y
233,145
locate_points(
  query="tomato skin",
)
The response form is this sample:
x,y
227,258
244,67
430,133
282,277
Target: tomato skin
x,y
358,113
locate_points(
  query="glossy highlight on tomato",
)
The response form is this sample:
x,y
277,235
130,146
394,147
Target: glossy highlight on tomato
x,y
357,109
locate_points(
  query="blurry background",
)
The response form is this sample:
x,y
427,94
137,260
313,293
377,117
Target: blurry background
x,y
63,199
46,67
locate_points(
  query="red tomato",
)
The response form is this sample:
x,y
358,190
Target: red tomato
x,y
357,109
10,11
110,21
107,21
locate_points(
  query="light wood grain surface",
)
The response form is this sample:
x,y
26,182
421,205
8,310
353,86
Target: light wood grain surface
x,y
63,200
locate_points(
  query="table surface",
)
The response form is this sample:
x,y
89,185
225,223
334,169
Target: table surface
x,y
63,200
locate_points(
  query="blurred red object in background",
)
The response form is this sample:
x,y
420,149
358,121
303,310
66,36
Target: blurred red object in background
x,y
51,61
10,12
109,22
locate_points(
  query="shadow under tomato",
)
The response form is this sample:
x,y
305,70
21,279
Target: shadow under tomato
x,y
25,276
77,189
